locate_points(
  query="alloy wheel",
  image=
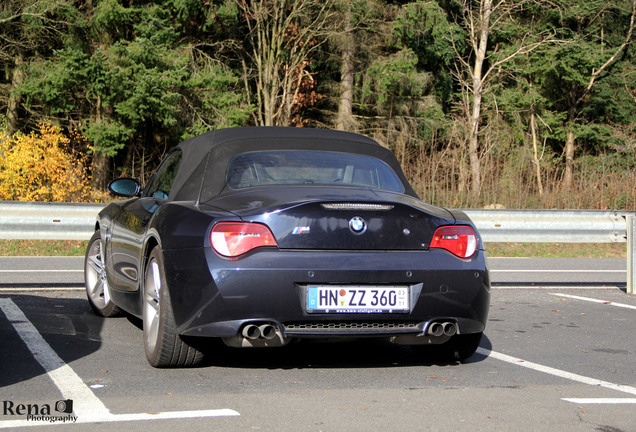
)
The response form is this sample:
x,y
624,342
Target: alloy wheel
x,y
152,305
95,272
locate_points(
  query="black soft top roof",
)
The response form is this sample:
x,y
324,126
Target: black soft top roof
x,y
205,157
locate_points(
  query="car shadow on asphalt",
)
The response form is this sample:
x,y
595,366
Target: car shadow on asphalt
x,y
320,354
67,324
73,331
307,354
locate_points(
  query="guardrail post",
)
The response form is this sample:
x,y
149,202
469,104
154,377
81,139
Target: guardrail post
x,y
631,253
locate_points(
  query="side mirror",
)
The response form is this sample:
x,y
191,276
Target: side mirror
x,y
125,187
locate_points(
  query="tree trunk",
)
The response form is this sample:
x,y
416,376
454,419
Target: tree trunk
x,y
345,119
568,176
13,104
477,90
101,171
100,166
536,160
473,146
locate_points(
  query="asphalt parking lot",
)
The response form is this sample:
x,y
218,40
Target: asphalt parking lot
x,y
554,357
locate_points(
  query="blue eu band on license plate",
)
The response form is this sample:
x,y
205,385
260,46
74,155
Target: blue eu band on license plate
x,y
357,299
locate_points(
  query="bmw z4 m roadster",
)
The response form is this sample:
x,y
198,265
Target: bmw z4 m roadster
x,y
262,236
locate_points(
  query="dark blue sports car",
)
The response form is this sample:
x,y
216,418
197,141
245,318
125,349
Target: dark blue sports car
x,y
260,236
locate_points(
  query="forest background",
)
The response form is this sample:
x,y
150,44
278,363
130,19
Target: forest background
x,y
513,103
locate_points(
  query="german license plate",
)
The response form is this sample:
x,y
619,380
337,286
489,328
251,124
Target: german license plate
x,y
357,299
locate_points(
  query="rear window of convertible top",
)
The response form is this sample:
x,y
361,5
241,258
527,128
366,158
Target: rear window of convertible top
x,y
289,167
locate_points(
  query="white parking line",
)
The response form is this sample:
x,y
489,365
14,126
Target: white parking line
x,y
564,374
42,271
554,271
39,289
88,408
541,287
588,299
601,401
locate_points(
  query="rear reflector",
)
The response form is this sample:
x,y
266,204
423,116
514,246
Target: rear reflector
x,y
459,240
232,239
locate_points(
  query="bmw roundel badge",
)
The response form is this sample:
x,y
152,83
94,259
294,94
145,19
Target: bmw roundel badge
x,y
357,225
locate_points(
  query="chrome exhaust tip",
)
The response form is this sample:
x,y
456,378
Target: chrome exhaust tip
x,y
251,331
435,329
450,329
267,331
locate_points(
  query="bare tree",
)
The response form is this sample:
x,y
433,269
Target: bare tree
x,y
536,159
474,76
576,102
282,35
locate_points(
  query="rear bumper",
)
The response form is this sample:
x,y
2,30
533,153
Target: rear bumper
x,y
214,297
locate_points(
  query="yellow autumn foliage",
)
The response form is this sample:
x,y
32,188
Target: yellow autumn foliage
x,y
41,167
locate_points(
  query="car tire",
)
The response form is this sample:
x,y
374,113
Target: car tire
x,y
458,349
95,280
163,345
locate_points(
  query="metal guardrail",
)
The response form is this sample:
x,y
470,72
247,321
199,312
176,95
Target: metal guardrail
x,y
551,226
47,221
65,221
561,226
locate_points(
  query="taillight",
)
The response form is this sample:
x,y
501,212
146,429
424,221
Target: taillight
x,y
460,240
232,239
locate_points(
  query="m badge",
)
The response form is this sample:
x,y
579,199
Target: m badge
x,y
301,230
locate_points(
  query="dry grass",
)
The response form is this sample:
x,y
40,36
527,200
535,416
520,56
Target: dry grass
x,y
547,250
557,250
42,247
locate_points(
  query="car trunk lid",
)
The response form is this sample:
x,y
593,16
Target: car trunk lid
x,y
330,219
